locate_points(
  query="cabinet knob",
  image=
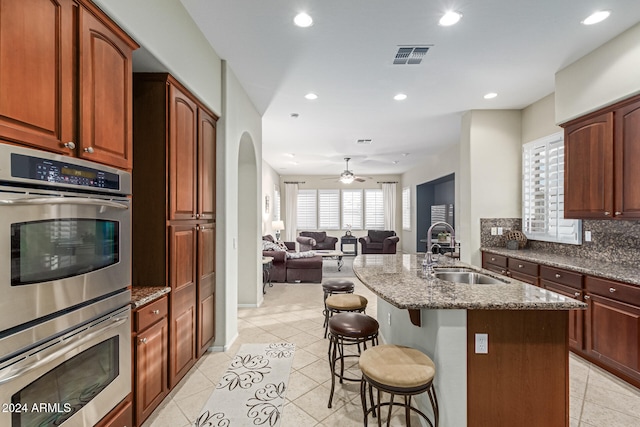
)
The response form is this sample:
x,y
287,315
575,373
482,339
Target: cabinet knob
x,y
197,215
70,145
612,290
520,266
607,213
156,312
558,275
587,297
88,150
618,213
493,259
143,340
577,294
503,271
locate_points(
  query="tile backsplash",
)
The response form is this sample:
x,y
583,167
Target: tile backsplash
x,y
616,241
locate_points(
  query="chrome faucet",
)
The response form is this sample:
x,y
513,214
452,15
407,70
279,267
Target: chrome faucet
x,y
427,263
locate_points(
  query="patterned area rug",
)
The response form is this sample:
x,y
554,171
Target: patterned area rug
x,y
252,390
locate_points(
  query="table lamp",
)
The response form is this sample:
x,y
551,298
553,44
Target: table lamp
x,y
277,226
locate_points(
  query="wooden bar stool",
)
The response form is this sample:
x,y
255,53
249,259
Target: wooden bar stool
x,y
397,370
335,286
339,303
348,329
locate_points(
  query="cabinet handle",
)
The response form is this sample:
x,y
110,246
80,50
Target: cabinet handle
x,y
155,312
493,259
89,150
143,340
607,213
577,294
618,213
587,297
197,215
558,275
70,145
503,271
520,266
612,290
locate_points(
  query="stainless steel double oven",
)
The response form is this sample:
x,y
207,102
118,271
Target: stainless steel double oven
x,y
65,317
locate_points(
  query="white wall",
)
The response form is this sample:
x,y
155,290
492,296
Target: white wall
x,y
608,74
491,167
538,119
442,163
270,180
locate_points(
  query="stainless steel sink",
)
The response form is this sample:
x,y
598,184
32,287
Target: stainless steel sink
x,y
452,269
468,277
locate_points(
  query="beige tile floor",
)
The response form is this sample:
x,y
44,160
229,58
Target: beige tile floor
x,y
292,312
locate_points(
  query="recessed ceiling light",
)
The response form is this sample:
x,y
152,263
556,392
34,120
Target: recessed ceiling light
x,y
400,97
450,18
303,20
294,115
290,155
405,154
311,96
596,17
490,95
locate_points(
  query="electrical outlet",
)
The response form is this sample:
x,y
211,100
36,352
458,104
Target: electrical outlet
x,y
499,231
389,319
482,343
494,231
587,236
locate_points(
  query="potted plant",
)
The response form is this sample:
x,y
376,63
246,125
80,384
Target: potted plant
x,y
444,237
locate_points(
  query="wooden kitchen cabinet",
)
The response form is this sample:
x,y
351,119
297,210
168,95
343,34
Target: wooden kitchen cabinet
x,y
151,339
524,271
600,175
69,88
613,326
120,416
174,211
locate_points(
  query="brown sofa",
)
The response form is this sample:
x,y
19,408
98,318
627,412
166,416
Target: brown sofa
x,y
316,240
379,242
293,269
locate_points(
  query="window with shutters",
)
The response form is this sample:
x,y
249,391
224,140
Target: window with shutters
x,y
373,210
307,210
329,209
276,203
543,192
406,208
352,209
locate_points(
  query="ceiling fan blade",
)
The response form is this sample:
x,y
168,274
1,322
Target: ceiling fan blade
x,y
357,178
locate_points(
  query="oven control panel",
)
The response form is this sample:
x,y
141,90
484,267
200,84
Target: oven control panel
x,y
57,172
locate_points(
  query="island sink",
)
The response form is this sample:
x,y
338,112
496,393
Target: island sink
x,y
467,276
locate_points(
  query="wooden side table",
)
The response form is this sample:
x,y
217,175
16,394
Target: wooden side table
x,y
349,245
267,263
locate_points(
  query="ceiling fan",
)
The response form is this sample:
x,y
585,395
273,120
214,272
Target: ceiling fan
x,y
347,177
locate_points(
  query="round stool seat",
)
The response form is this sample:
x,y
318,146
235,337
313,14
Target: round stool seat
x,y
397,366
337,285
353,325
346,302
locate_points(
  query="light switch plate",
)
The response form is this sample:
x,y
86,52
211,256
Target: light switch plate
x,y
494,231
587,236
482,343
499,231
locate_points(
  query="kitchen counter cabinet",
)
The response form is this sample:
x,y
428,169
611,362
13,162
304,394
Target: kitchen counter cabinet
x,y
527,365
54,95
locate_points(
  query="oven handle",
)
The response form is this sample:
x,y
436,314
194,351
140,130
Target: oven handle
x,y
56,350
65,201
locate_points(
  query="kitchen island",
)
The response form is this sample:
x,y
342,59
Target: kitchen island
x,y
523,379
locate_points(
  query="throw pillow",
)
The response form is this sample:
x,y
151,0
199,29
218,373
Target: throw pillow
x,y
270,246
305,254
283,246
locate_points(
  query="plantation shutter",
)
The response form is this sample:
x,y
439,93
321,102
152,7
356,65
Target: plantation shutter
x,y
307,208
373,210
329,209
352,209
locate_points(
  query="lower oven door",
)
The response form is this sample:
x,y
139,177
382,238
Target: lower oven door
x,y
73,380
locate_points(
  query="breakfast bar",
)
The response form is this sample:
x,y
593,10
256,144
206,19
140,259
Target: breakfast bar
x,y
500,346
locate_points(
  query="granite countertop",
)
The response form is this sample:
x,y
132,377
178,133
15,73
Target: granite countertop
x,y
141,295
398,279
628,273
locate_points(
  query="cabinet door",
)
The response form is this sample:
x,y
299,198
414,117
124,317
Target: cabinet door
x,y
206,165
182,155
576,317
182,267
151,369
613,334
206,286
36,73
122,416
182,333
627,153
588,178
105,119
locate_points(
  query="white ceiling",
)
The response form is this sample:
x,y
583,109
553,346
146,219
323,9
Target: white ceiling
x,y
512,47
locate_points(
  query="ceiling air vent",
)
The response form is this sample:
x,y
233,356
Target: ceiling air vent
x,y
410,54
364,141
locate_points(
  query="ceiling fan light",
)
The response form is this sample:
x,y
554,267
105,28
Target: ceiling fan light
x,y
346,179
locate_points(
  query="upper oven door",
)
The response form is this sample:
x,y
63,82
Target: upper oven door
x,y
63,251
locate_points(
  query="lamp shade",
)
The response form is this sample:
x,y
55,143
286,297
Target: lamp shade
x,y
277,225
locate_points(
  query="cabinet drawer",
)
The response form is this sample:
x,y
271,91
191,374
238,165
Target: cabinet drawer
x,y
525,267
494,259
527,278
149,314
564,277
629,294
562,289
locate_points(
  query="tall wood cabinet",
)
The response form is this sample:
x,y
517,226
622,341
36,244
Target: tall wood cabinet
x,y
174,211
65,79
600,172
